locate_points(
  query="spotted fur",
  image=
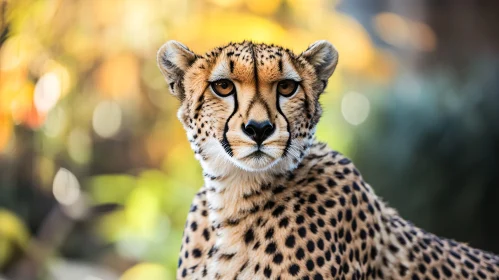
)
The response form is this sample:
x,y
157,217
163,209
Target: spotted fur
x,y
290,208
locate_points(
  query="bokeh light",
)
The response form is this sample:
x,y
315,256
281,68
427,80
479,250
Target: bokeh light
x,y
355,107
47,92
66,188
106,119
79,145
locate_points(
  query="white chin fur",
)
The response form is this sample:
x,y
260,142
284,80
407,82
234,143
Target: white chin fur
x,y
255,166
220,162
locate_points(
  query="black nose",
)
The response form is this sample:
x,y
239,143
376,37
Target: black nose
x,y
258,131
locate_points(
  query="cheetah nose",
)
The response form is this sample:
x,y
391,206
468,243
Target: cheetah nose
x,y
258,131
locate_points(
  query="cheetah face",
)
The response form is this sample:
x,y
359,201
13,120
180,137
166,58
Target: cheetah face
x,y
254,106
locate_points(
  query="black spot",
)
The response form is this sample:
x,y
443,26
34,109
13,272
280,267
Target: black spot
x,y
342,201
318,276
468,264
333,271
206,234
196,253
320,261
227,256
331,182
278,190
300,254
346,268
355,201
294,269
321,189
310,265
344,161
435,273
320,222
348,215
473,258
278,211
426,258
194,226
278,258
320,244
346,189
313,228
249,236
267,271
310,246
393,248
290,241
310,212
330,203
271,248
333,222
403,270
302,231
446,271
327,234
300,219
284,222
270,233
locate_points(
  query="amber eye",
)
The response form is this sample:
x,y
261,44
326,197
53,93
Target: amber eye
x,y
286,88
223,88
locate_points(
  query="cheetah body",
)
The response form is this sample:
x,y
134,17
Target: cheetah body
x,y
304,211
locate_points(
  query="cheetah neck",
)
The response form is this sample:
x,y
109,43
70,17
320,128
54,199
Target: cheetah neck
x,y
232,198
234,195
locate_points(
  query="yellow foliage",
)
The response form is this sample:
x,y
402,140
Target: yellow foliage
x,y
118,76
354,45
263,7
12,228
146,271
215,28
17,51
5,131
226,3
402,32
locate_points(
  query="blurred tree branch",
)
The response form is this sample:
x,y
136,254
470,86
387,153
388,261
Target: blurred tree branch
x,y
3,21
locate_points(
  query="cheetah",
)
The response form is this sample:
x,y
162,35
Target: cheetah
x,y
277,203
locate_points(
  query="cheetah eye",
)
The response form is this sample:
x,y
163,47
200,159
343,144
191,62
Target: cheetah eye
x,y
223,87
287,88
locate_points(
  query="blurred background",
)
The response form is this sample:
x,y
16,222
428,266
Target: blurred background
x,y
96,174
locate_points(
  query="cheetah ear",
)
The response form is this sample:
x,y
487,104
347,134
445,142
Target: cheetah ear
x,y
323,57
174,59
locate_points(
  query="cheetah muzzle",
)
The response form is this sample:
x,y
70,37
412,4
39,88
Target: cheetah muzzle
x,y
276,203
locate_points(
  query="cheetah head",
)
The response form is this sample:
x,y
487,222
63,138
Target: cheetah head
x,y
246,105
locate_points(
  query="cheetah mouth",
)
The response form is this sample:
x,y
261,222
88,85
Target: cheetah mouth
x,y
256,160
257,155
